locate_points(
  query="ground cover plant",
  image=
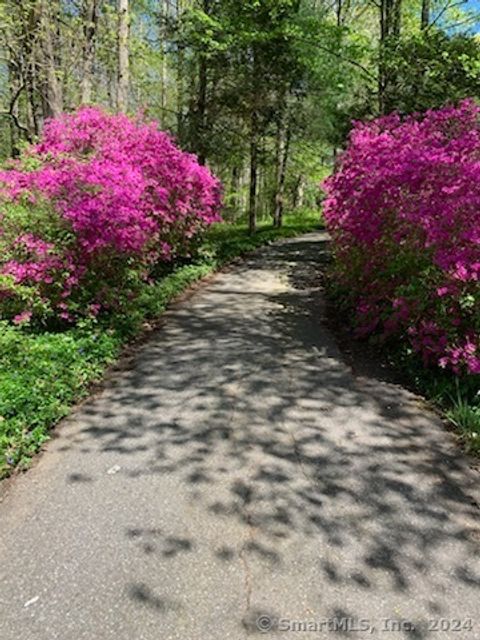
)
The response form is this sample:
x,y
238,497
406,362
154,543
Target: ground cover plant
x,y
43,372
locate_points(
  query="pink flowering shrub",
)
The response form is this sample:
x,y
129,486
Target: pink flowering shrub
x,y
92,210
404,213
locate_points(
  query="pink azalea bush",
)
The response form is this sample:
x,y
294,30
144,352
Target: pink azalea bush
x,y
404,213
92,210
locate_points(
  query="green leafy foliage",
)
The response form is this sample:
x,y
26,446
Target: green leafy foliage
x,y
42,374
432,69
466,417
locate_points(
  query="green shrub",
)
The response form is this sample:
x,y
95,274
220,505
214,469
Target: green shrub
x,y
42,373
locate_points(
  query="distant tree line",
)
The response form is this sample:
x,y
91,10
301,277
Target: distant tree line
x,y
264,91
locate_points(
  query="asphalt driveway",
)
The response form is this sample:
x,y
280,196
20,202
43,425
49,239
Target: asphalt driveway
x,y
239,478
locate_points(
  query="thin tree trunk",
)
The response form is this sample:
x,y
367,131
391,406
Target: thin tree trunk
x,y
252,203
180,94
425,14
163,63
283,145
254,141
396,17
235,188
381,63
180,78
200,109
338,11
91,10
51,89
199,120
15,88
299,192
123,56
53,94
163,89
31,35
390,29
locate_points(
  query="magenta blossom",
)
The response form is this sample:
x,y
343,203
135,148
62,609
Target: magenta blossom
x,y
123,198
404,213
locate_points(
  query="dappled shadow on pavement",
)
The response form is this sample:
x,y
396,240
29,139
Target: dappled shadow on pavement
x,y
269,469
245,401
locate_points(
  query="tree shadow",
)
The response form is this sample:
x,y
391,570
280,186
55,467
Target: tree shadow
x,y
242,411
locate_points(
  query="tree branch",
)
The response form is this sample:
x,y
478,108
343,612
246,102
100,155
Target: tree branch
x,y
11,112
448,6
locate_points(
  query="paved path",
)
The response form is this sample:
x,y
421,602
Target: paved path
x,y
239,469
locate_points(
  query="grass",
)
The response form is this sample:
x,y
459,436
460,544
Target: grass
x,y
458,398
466,417
227,241
42,375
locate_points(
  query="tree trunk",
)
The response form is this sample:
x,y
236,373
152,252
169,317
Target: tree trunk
x,y
180,74
283,145
396,18
31,36
123,82
163,64
235,188
390,29
53,92
91,10
338,11
425,14
200,108
201,111
15,89
252,204
299,195
254,141
382,63
199,120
